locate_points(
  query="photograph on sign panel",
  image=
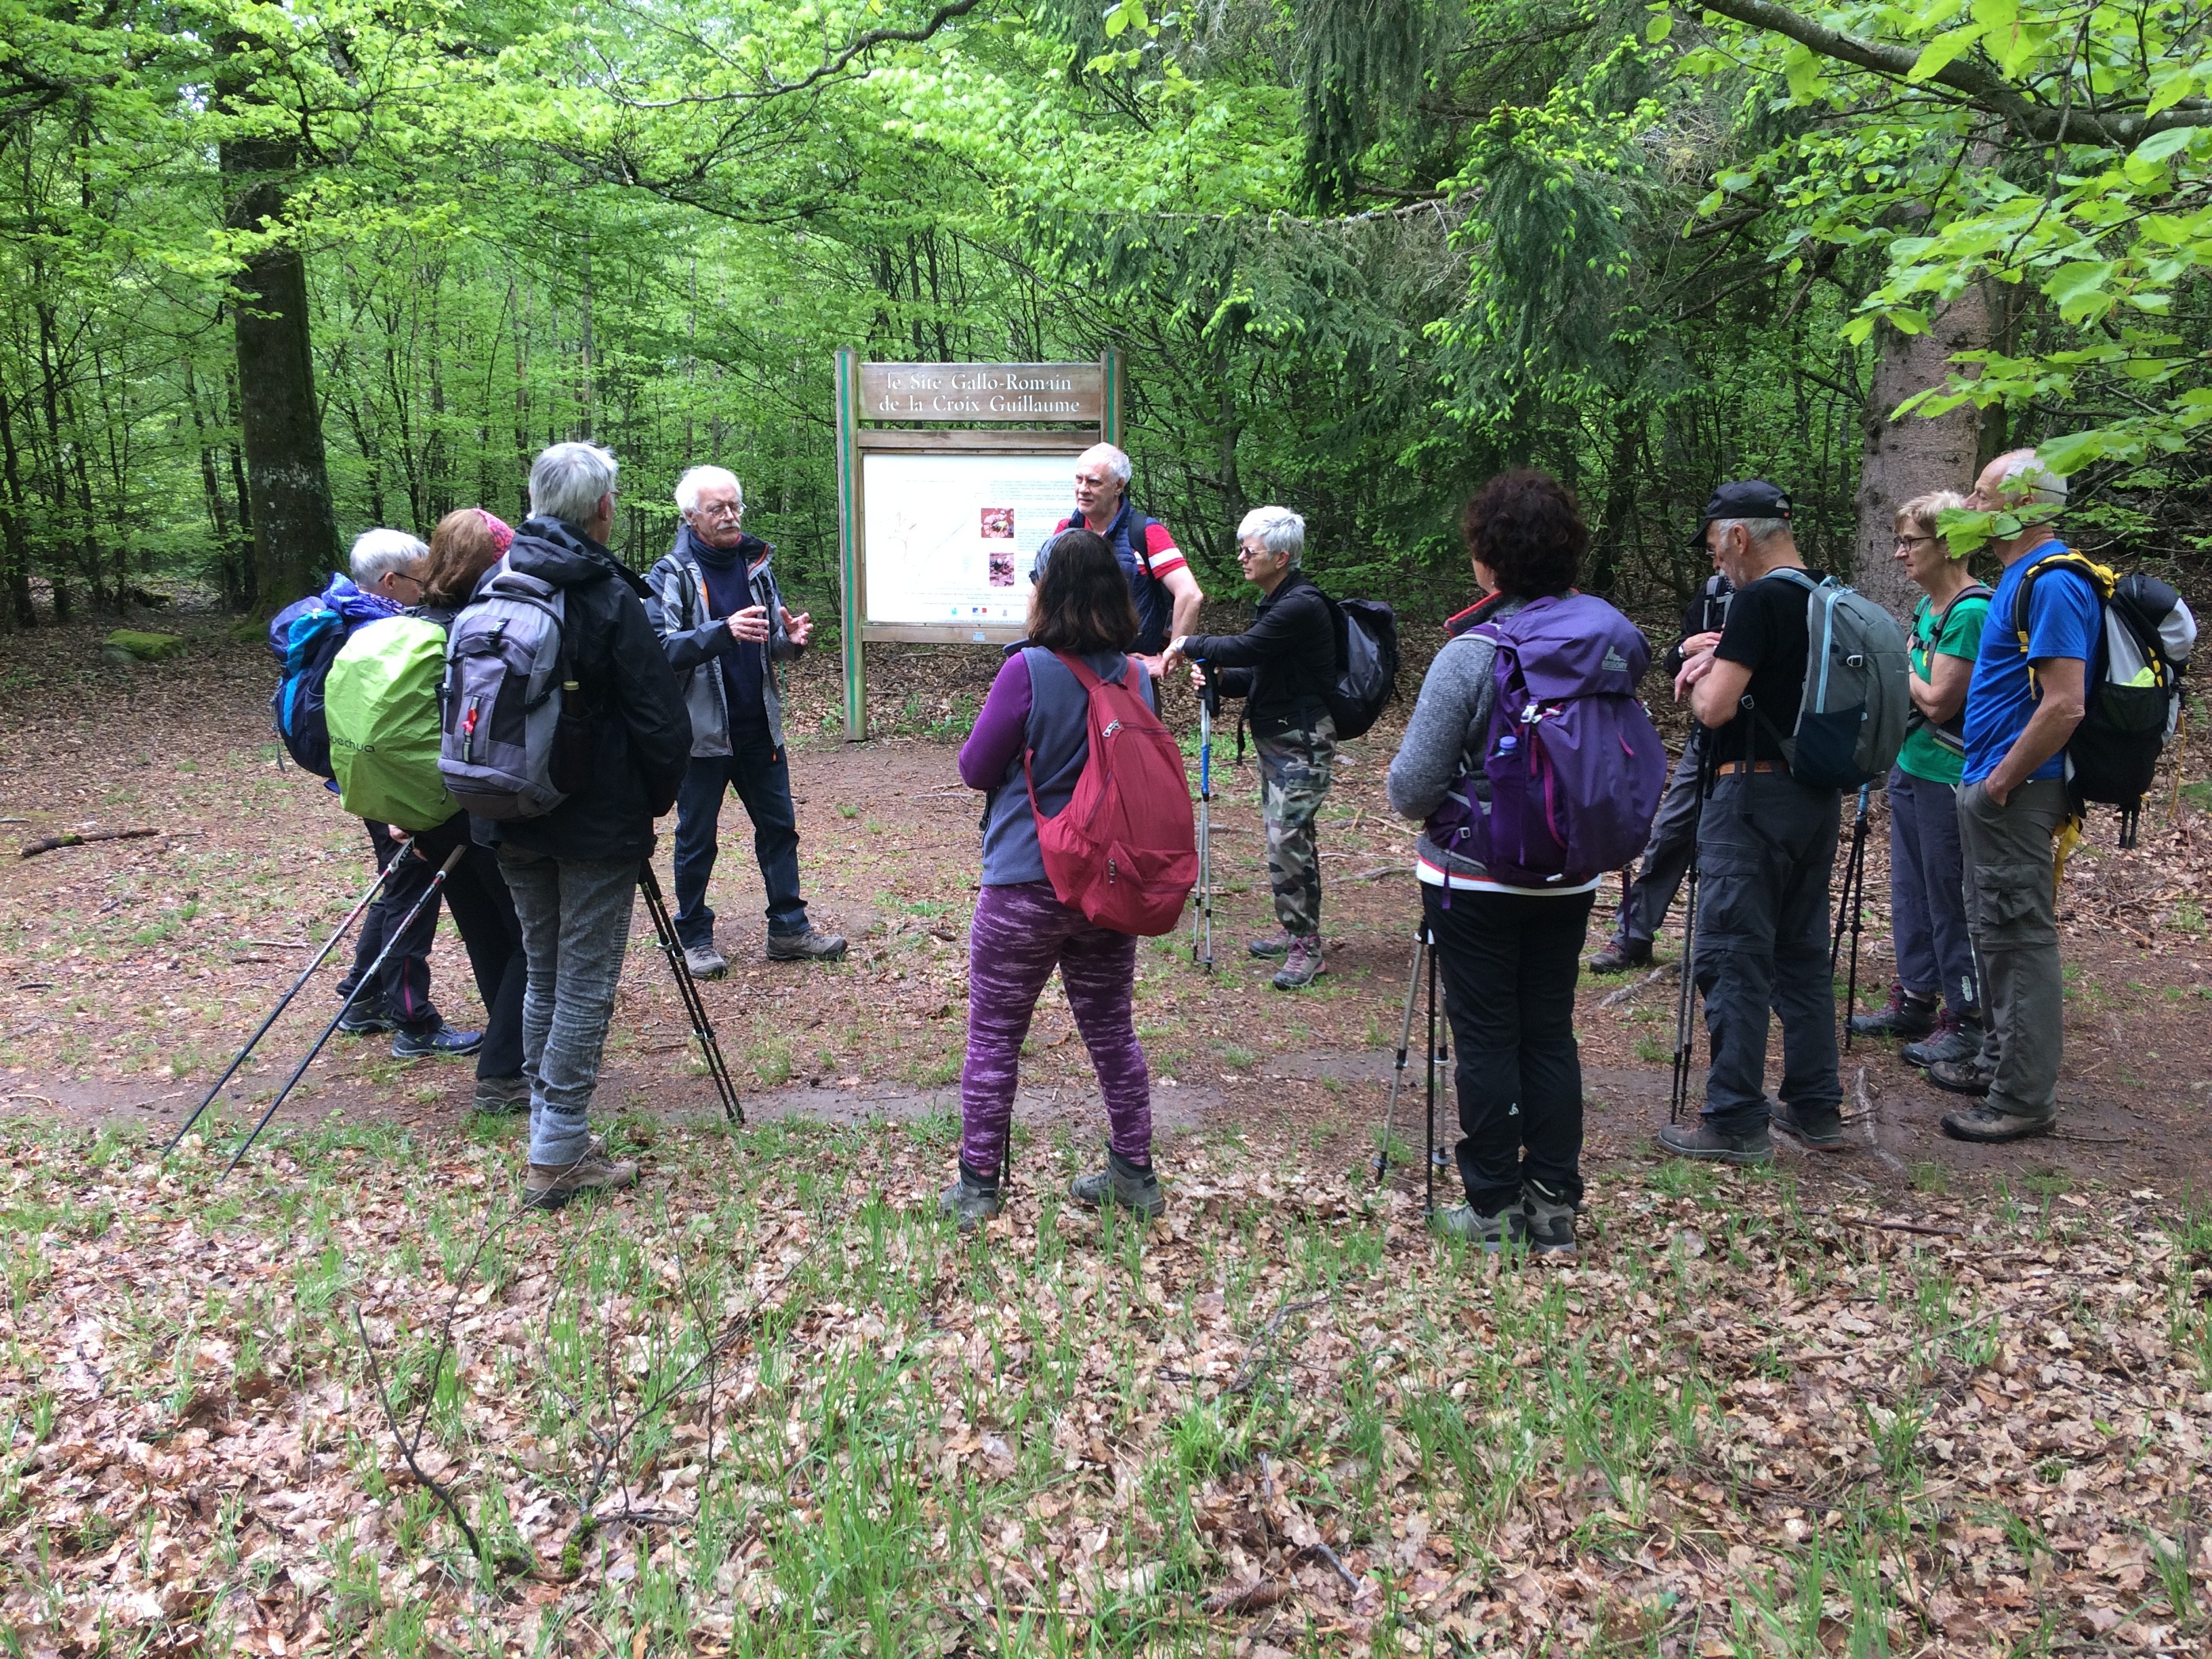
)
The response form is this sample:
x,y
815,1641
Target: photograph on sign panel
x,y
950,539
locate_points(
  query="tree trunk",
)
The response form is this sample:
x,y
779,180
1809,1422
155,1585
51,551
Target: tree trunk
x,y
16,547
1910,457
295,531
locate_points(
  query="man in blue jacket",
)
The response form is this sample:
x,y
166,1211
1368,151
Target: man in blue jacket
x,y
714,603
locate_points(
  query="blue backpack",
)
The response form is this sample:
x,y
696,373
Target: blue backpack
x,y
307,637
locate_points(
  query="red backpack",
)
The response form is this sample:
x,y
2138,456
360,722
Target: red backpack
x,y
1123,850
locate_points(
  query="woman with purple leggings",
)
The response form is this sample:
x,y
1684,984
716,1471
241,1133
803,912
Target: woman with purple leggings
x,y
1038,710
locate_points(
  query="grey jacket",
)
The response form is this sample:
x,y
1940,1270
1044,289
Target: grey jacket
x,y
1444,737
696,641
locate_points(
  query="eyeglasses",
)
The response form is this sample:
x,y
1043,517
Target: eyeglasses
x,y
721,510
1909,541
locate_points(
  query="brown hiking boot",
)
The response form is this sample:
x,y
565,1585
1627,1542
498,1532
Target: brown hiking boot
x,y
1622,955
1989,1125
1303,966
549,1186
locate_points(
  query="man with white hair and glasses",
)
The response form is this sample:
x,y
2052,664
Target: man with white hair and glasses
x,y
714,603
1168,596
574,872
1282,666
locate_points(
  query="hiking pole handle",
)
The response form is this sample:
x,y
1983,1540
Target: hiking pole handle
x,y
362,903
429,897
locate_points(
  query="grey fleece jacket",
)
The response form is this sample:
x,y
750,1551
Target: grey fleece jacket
x,y
1444,737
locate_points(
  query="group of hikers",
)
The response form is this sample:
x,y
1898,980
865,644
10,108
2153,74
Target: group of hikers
x,y
1533,768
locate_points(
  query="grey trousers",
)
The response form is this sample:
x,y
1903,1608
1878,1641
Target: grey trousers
x,y
575,928
1666,853
2013,910
1765,846
1928,893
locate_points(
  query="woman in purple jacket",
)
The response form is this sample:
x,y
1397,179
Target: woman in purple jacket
x,y
1037,710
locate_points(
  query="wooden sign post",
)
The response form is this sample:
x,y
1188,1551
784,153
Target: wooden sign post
x,y
950,476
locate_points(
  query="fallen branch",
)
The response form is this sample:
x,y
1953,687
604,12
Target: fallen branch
x,y
75,838
1321,1549
1258,1365
1614,998
1380,871
406,1450
1895,1226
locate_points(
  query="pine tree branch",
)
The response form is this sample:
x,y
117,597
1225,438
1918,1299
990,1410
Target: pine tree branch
x,y
1980,85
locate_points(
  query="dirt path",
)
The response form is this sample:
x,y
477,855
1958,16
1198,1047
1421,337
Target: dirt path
x,y
130,970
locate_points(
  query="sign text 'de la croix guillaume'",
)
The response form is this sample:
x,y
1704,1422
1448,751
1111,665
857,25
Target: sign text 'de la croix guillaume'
x,y
982,391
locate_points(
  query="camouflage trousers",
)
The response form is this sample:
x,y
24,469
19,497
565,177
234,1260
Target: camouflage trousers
x,y
1295,770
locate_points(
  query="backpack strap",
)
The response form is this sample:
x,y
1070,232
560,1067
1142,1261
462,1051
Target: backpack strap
x,y
2101,582
1971,590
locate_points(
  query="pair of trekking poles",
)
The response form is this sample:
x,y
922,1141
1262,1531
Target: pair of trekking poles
x,y
687,987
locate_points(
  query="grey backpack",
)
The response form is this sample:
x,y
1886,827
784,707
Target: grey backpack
x,y
514,739
1851,716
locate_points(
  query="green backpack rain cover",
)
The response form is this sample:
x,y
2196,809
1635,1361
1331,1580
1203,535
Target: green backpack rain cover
x,y
382,699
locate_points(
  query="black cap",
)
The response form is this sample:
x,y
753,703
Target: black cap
x,y
1746,498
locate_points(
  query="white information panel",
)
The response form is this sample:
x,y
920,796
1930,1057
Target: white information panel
x,y
948,538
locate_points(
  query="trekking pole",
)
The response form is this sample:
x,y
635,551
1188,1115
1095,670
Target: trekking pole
x,y
285,1001
1685,992
429,897
1202,917
1854,906
1405,1042
687,991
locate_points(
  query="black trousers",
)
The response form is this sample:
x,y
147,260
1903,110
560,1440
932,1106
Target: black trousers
x,y
1509,963
404,985
483,910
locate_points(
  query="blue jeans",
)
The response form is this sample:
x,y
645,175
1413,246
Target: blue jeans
x,y
1928,893
761,775
1766,845
575,928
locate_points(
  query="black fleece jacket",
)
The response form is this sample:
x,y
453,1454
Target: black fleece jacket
x,y
640,734
1282,665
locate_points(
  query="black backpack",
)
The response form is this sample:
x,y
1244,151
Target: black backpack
x,y
1366,664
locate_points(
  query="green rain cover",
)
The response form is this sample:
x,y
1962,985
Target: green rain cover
x,y
381,700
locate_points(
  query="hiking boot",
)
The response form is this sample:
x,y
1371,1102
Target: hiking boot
x,y
1958,1037
1275,944
1989,1125
971,1200
550,1186
1820,1130
1510,1226
812,945
439,1041
1122,1184
498,1096
1302,966
1548,1220
366,1019
705,962
1622,955
1962,1077
1909,1015
1707,1144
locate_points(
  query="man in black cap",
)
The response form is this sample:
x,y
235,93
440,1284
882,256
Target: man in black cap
x,y
1765,845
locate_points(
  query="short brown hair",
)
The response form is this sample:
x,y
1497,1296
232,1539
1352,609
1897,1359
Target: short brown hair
x,y
1525,524
1920,512
1081,603
462,548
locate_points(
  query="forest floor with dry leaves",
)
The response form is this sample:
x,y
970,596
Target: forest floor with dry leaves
x,y
1923,1397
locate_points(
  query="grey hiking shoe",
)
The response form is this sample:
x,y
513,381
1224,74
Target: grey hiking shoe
x,y
550,1186
1276,944
1820,1130
1909,1015
1548,1220
1706,1144
1989,1125
1958,1039
971,1200
1510,1226
1962,1077
1123,1185
705,962
812,945
1622,955
498,1096
1301,966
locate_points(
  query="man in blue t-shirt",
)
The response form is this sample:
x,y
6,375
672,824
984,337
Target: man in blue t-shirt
x,y
2022,704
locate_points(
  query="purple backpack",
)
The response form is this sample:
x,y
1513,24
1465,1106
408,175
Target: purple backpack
x,y
1573,763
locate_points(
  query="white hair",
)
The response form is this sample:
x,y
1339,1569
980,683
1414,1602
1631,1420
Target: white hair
x,y
705,477
1279,530
1116,459
377,553
2045,485
1761,530
568,480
